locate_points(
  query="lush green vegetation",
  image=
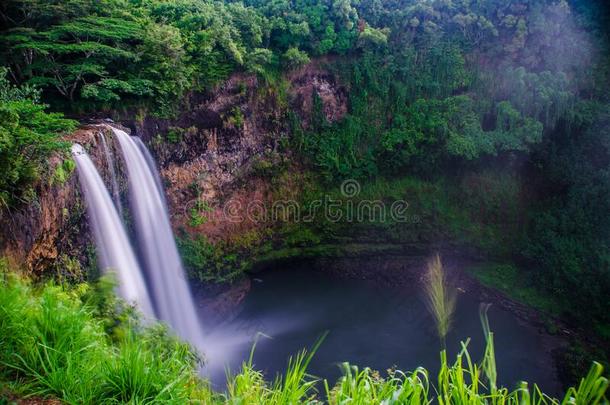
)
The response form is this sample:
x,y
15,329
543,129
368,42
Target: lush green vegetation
x,y
491,118
28,134
91,56
77,345
209,262
74,344
456,91
508,279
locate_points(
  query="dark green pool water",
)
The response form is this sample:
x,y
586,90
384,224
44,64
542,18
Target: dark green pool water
x,y
367,325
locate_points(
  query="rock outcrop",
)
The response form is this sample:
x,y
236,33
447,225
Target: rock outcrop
x,y
48,233
205,157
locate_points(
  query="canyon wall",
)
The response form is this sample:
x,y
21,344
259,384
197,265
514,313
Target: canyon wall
x,y
206,156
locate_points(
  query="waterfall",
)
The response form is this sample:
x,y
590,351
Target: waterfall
x,y
113,179
113,247
171,295
152,166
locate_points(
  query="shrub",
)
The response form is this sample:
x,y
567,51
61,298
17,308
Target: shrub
x,y
54,346
28,135
293,58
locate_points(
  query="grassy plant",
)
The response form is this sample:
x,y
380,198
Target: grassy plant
x,y
248,386
294,387
459,383
441,301
53,344
153,367
366,386
489,359
591,390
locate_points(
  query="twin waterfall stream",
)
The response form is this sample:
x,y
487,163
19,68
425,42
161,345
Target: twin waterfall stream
x,y
156,283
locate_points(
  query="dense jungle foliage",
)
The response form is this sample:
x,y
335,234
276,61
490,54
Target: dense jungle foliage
x,y
438,90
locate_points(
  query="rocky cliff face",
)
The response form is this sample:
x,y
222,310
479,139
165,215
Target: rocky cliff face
x,y
50,234
206,156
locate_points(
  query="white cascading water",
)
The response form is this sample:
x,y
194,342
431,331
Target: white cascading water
x,y
170,292
113,247
153,167
113,179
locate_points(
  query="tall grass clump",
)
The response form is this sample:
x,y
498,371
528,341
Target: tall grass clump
x,y
54,346
461,383
366,386
441,299
296,386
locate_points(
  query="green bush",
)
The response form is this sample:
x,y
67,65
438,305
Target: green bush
x,y
211,262
54,345
293,58
28,135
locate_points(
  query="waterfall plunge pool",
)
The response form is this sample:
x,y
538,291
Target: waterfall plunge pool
x,y
368,325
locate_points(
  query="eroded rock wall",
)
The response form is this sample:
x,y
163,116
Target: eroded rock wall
x,y
206,156
50,232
